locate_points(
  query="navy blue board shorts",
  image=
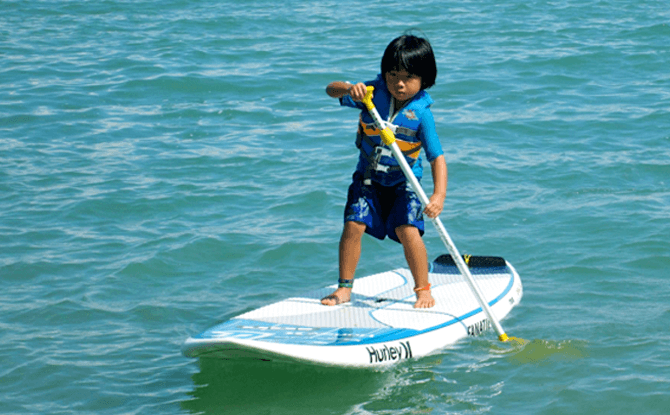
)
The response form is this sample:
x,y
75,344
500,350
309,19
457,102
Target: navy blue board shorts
x,y
383,208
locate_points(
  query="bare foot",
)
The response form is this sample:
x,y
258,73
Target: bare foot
x,y
424,299
340,296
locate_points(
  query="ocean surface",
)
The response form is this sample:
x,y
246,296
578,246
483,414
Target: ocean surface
x,y
168,165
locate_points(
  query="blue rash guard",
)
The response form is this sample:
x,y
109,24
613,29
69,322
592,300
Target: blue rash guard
x,y
416,130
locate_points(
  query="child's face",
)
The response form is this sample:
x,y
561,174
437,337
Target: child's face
x,y
402,85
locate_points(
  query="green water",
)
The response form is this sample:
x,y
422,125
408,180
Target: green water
x,y
165,166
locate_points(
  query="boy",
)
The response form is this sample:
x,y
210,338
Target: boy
x,y
380,202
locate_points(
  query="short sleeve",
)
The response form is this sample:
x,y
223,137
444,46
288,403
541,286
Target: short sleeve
x,y
428,136
346,101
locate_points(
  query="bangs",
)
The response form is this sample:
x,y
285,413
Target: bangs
x,y
413,54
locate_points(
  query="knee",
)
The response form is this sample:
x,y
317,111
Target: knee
x,y
406,233
353,230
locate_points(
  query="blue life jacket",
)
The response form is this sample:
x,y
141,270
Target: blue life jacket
x,y
414,129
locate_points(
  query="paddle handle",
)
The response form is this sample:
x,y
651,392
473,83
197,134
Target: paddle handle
x,y
387,135
388,138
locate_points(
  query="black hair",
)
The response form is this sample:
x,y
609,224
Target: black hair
x,y
415,55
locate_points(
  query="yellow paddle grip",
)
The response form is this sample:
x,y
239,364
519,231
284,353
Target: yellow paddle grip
x,y
367,100
386,134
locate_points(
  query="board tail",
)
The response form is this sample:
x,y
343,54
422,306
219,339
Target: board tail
x,y
473,261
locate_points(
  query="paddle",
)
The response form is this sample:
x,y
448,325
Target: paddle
x,y
388,138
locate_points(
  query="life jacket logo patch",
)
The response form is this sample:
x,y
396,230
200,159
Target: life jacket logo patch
x,y
410,115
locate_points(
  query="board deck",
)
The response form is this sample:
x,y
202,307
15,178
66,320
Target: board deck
x,y
378,327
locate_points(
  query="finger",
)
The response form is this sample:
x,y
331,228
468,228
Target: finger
x,y
432,212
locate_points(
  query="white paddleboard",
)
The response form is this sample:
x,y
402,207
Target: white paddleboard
x,y
378,327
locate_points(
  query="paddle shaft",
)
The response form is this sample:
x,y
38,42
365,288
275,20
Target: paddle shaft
x,y
388,137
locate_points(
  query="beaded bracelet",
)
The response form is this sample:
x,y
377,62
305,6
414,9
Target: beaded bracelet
x,y
342,283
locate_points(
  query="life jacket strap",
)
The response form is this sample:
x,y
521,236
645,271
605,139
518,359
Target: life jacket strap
x,y
379,151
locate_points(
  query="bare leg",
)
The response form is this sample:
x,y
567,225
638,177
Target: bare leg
x,y
350,253
417,259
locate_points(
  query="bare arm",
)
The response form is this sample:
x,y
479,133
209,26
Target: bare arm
x,y
338,89
436,202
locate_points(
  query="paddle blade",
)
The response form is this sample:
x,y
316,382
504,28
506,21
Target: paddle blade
x,y
505,338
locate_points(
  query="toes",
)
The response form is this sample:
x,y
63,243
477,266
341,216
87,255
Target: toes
x,y
330,300
335,299
424,301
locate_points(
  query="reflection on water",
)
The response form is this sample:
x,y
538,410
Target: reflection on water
x,y
223,387
545,351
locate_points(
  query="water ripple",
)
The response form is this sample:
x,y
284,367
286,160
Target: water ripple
x,y
166,166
